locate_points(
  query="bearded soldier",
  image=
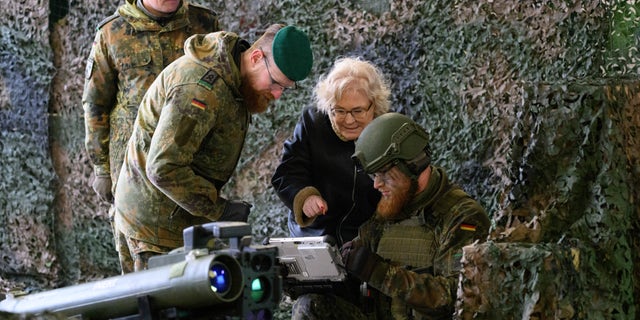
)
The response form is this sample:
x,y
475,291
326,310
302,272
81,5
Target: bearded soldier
x,y
190,130
408,254
131,47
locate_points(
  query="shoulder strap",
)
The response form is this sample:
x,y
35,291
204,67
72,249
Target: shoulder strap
x,y
450,197
107,20
201,7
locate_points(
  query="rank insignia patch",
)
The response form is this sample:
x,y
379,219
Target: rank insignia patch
x,y
208,79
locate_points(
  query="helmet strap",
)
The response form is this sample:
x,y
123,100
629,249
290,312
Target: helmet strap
x,y
402,165
414,167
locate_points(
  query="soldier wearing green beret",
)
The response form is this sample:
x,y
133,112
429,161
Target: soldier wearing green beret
x,y
408,255
130,49
189,132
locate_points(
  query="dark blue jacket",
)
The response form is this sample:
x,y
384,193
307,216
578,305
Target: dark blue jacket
x,y
316,157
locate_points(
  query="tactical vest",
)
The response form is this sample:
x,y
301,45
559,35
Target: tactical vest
x,y
412,243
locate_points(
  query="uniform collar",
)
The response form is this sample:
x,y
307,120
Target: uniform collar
x,y
427,197
140,21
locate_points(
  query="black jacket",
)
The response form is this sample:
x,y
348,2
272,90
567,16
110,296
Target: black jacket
x,y
315,157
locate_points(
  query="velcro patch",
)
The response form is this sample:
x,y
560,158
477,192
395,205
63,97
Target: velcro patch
x,y
184,131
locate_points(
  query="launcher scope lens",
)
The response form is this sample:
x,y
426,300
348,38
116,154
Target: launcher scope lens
x,y
220,278
260,286
225,280
258,289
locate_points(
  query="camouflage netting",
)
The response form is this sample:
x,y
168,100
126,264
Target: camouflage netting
x,y
570,198
28,180
531,108
82,220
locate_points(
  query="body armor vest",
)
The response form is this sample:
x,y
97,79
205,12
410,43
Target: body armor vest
x,y
412,244
409,242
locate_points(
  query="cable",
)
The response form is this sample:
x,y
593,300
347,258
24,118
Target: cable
x,y
353,206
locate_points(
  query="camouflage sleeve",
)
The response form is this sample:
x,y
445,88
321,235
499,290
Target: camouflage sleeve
x,y
435,293
204,16
98,98
466,223
183,125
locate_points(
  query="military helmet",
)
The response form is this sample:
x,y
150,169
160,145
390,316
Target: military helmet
x,y
393,138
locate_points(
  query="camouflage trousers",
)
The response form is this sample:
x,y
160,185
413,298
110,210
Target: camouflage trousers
x,y
325,306
134,254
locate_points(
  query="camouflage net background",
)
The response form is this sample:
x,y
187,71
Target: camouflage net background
x,y
530,105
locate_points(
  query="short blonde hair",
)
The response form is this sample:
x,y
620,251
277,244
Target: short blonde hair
x,y
266,40
355,73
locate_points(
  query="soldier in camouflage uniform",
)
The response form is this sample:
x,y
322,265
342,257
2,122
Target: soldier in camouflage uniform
x,y
408,256
190,129
130,49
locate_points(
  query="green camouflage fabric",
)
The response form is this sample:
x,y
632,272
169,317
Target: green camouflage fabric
x,y
143,252
129,51
451,219
127,265
185,144
423,251
326,307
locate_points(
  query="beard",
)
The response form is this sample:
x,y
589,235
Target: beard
x,y
389,208
256,101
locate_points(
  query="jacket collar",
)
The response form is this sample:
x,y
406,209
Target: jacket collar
x,y
142,22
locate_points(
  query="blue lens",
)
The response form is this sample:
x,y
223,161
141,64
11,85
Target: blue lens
x,y
220,278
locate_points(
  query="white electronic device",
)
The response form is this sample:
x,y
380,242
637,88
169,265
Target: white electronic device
x,y
310,259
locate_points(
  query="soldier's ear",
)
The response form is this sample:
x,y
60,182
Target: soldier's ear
x,y
256,56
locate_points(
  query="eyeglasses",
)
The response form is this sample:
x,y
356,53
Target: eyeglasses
x,y
357,113
275,85
383,173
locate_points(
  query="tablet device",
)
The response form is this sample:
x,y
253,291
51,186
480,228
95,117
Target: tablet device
x,y
310,259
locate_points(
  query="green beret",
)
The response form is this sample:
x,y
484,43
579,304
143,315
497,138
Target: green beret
x,y
292,53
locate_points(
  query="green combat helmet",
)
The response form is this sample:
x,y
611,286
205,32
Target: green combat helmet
x,y
393,139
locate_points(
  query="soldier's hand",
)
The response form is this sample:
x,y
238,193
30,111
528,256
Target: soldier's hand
x,y
347,247
102,186
313,206
345,250
236,211
361,262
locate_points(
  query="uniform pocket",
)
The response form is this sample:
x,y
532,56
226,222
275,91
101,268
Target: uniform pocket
x,y
129,59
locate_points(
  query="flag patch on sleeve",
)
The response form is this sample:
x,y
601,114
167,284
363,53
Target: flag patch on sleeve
x,y
467,227
198,104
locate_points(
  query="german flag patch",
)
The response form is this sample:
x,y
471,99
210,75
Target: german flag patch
x,y
467,227
198,104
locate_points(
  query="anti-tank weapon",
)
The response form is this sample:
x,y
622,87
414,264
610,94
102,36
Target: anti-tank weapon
x,y
216,275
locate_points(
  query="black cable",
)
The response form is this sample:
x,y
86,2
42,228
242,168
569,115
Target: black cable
x,y
353,206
